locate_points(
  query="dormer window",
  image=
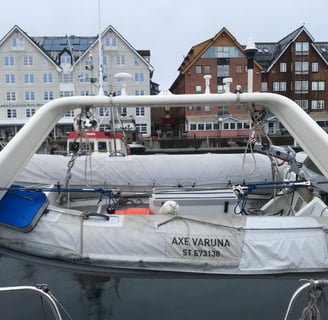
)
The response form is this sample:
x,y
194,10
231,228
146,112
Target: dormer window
x,y
65,58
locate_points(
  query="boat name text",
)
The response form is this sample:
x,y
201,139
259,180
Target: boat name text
x,y
204,242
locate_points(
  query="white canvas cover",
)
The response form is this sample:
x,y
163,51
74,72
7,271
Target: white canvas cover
x,y
149,170
284,244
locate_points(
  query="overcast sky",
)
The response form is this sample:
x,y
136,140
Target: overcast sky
x,y
168,28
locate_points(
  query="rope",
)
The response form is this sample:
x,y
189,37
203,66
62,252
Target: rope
x,y
311,311
315,293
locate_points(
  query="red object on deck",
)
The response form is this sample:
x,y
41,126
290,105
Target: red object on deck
x,y
145,211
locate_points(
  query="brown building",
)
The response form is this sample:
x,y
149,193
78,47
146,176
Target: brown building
x,y
295,66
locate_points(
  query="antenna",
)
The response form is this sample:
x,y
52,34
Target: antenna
x,y
100,78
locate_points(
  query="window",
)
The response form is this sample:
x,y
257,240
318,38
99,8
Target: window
x,y
323,124
190,108
223,52
192,127
301,67
28,78
140,111
239,69
223,110
301,48
110,43
11,96
198,69
208,126
120,60
301,86
139,77
223,70
66,77
231,126
220,88
264,87
84,92
10,79
66,93
304,104
207,70
142,128
137,93
318,86
105,60
283,67
11,113
207,108
315,67
29,95
279,86
201,126
65,58
198,109
123,111
28,61
317,104
48,95
47,78
198,88
84,78
17,43
136,61
29,112
88,63
103,112
9,61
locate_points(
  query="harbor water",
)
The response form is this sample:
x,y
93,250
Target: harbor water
x,y
129,296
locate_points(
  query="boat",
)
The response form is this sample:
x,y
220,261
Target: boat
x,y
111,143
221,231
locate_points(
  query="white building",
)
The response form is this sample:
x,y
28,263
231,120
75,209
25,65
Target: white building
x,y
34,70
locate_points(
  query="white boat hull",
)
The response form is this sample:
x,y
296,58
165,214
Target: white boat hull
x,y
221,244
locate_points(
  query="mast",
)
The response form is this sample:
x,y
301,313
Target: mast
x,y
100,62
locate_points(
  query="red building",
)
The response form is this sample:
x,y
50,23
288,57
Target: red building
x,y
295,66
222,58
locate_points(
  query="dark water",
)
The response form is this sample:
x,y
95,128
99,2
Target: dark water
x,y
155,298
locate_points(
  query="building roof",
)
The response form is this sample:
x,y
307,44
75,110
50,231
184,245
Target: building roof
x,y
269,52
78,46
31,40
55,45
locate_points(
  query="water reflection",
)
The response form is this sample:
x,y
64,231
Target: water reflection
x,y
114,297
98,294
